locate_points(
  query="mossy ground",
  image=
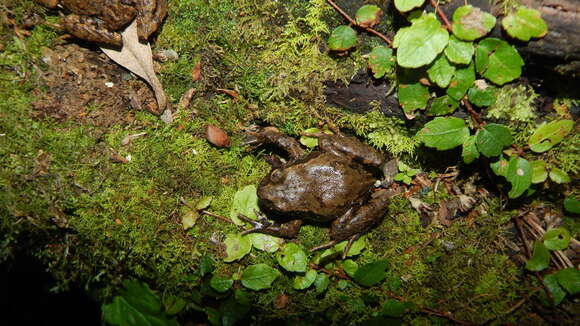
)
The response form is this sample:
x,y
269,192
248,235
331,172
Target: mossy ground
x,y
96,222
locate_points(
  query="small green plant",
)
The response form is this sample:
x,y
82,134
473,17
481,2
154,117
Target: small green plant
x,y
563,281
139,306
448,58
405,174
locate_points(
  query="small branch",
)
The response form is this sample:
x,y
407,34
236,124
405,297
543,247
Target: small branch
x,y
429,311
474,115
513,308
203,211
386,39
446,314
441,14
339,274
219,217
353,22
344,14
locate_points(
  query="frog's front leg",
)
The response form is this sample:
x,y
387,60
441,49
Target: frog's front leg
x,y
151,15
360,219
271,135
262,225
90,29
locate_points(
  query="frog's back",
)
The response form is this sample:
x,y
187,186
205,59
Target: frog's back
x,y
319,187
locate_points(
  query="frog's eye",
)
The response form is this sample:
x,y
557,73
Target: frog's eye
x,y
276,175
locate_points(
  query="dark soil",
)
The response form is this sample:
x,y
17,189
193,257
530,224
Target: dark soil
x,y
83,84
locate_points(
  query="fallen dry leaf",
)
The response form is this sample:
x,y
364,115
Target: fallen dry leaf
x,y
186,99
116,158
229,92
42,163
128,139
217,136
137,58
166,55
281,301
443,214
196,73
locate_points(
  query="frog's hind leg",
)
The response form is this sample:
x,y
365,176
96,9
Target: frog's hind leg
x,y
262,225
360,219
151,15
271,135
90,29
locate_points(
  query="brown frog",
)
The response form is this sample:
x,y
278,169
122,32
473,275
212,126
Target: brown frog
x,y
330,184
101,20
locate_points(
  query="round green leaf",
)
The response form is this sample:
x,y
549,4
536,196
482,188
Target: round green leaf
x,y
441,71
499,167
548,135
355,249
321,283
557,239
381,61
372,273
519,174
540,258
292,258
469,152
246,203
406,5
368,16
203,203
444,133
188,217
342,284
493,138
206,265
556,291
459,52
395,308
237,246
443,105
413,96
220,284
259,276
350,267
461,82
342,38
572,205
173,304
498,61
304,282
559,176
265,242
569,278
422,42
470,23
524,24
481,97
539,173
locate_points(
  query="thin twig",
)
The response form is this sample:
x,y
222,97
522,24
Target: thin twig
x,y
223,218
513,308
203,211
353,22
473,113
429,311
441,14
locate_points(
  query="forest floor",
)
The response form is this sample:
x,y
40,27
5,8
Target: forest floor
x,y
93,183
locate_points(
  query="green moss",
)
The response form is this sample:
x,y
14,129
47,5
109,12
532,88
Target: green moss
x,y
385,133
514,106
